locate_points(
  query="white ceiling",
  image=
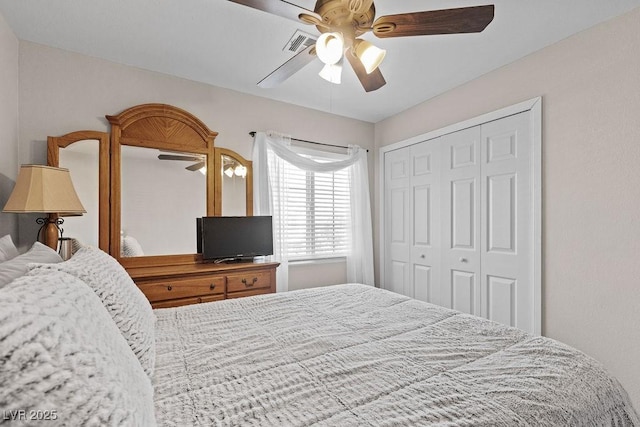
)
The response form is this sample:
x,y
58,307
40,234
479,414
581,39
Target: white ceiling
x,y
228,45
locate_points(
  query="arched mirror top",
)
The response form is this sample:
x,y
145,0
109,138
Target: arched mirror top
x,y
86,154
162,126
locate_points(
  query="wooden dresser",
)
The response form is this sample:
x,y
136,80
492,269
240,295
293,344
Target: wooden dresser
x,y
175,285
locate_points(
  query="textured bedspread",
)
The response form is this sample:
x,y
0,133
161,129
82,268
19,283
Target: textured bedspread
x,y
355,355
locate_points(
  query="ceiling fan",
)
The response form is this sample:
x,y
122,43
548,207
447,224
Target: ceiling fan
x,y
230,167
200,160
342,22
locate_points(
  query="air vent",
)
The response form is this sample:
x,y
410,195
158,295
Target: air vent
x,y
299,41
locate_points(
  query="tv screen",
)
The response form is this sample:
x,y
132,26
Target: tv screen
x,y
235,237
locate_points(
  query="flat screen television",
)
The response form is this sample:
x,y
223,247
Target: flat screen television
x,y
234,237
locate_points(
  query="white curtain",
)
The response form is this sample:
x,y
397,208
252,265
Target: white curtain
x,y
268,183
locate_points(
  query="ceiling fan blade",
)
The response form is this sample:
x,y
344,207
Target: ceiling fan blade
x,y
195,166
447,21
370,82
174,157
280,8
289,68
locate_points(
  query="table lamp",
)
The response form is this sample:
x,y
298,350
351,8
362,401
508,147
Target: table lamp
x,y
47,190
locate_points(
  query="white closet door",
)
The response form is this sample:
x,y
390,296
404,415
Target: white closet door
x,y
460,207
507,210
461,218
425,198
397,225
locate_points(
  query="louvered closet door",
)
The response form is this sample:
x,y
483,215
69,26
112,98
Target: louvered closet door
x,y
460,186
397,225
507,206
425,207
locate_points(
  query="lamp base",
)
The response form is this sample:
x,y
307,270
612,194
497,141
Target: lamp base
x,y
50,231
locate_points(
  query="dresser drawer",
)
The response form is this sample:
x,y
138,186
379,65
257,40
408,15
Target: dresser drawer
x,y
187,301
250,293
248,281
169,289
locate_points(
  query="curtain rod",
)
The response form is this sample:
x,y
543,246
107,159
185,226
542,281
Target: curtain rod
x,y
253,133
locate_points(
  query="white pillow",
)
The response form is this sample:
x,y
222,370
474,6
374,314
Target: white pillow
x,y
7,249
62,356
18,266
126,304
131,247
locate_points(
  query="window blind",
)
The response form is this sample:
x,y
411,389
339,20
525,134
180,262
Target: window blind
x,y
316,209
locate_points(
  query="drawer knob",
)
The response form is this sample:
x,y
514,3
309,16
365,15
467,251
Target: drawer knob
x,y
255,279
199,300
169,287
212,286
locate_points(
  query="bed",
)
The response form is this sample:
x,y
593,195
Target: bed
x,y
345,355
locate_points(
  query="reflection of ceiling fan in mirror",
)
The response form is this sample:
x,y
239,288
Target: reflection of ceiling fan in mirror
x,y
342,22
231,168
199,165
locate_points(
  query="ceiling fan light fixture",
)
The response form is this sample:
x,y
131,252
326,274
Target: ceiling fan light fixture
x,y
229,171
369,55
330,47
203,170
332,73
240,171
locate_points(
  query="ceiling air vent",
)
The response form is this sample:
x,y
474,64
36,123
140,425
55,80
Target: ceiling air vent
x,y
299,41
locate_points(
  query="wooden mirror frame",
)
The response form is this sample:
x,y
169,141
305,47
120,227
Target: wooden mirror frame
x,y
162,126
165,127
219,152
55,143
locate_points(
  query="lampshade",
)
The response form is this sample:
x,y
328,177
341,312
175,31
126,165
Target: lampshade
x,y
332,72
370,56
44,189
330,47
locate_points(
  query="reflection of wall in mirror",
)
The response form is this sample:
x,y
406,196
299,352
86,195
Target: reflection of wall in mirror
x,y
81,158
160,202
234,190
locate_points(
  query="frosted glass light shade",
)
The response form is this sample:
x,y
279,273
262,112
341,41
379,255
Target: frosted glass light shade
x,y
369,55
330,47
332,73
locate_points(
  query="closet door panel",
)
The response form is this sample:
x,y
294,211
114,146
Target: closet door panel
x,y
425,245
507,206
500,302
397,225
463,213
460,219
463,290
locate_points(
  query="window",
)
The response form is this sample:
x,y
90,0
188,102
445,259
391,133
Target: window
x,y
316,210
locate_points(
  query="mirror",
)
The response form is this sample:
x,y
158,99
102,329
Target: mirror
x,y
162,193
86,155
235,184
158,190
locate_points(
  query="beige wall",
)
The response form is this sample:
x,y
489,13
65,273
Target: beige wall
x,y
590,84
62,92
8,123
